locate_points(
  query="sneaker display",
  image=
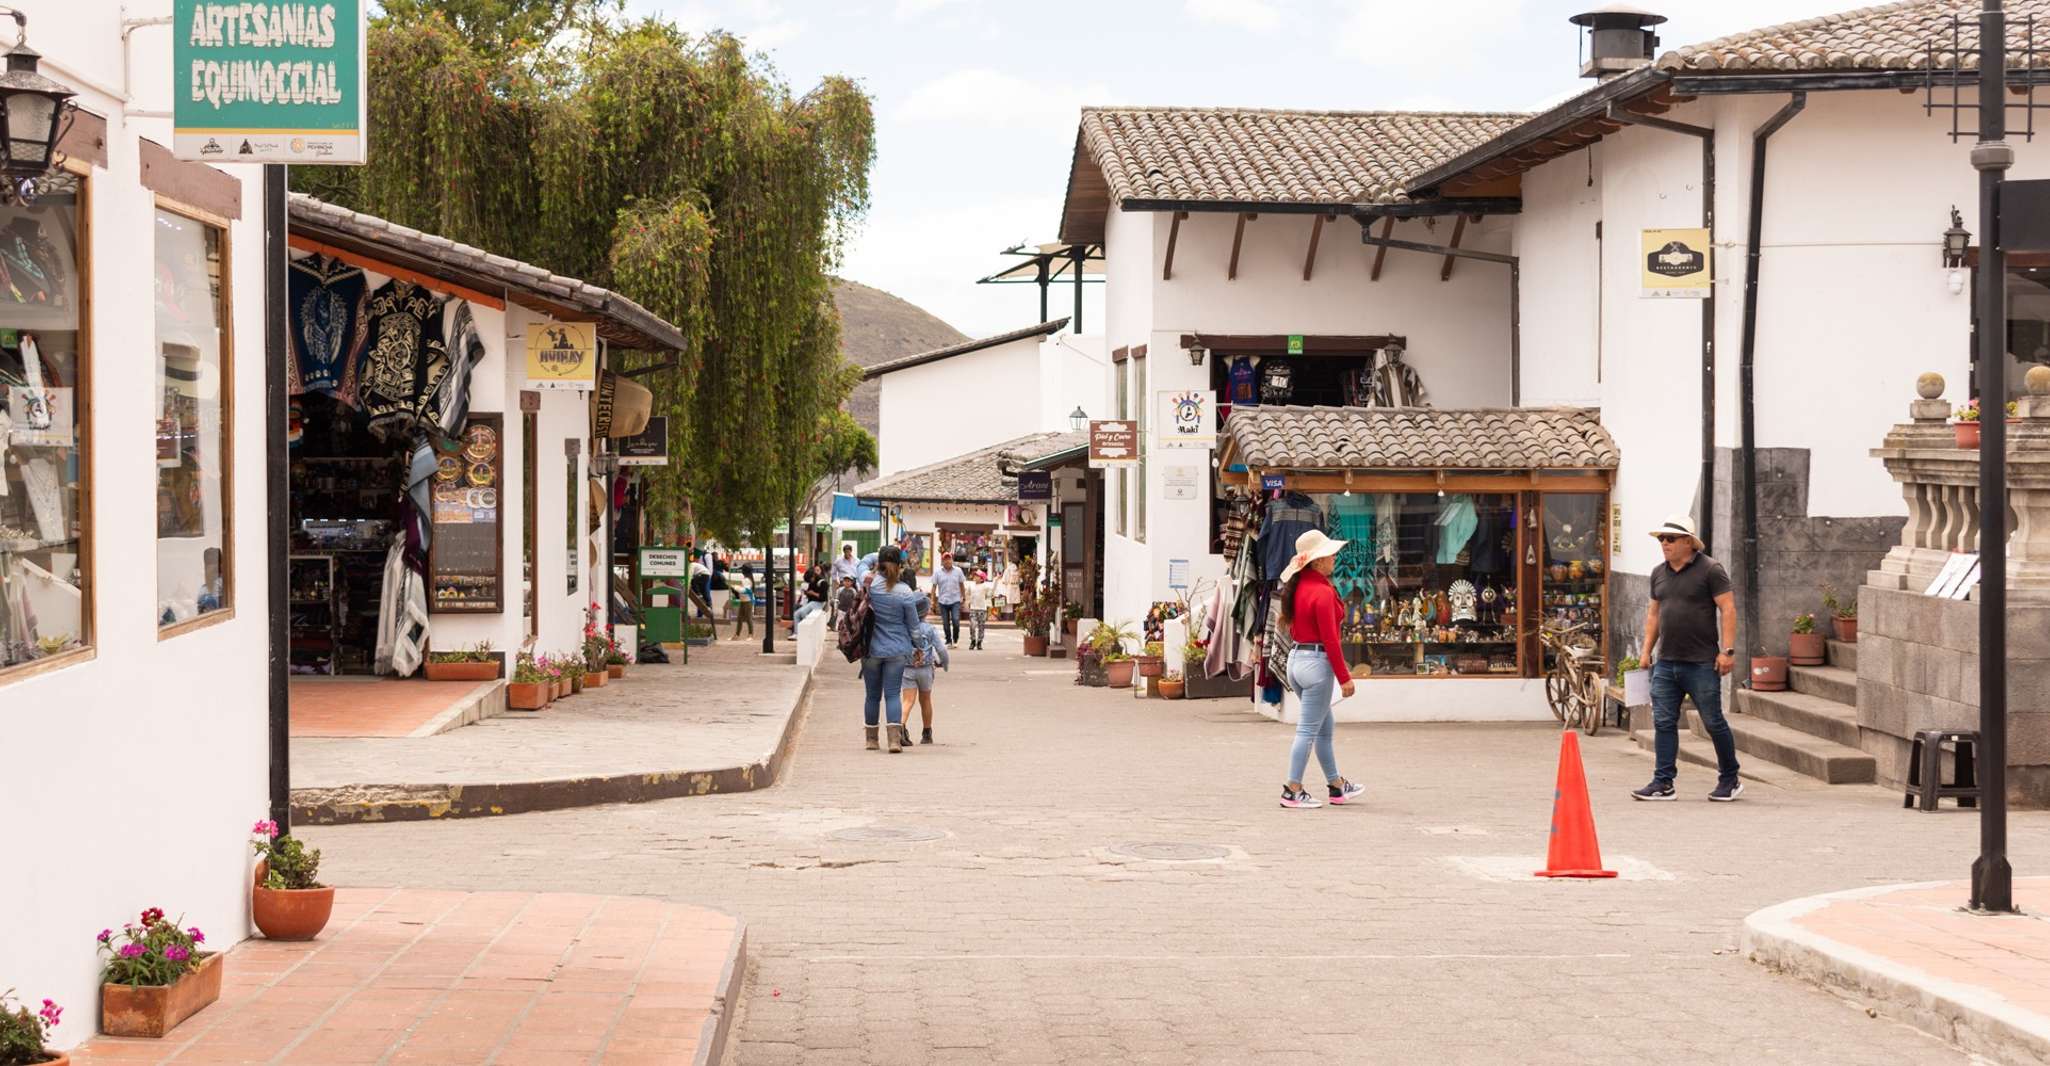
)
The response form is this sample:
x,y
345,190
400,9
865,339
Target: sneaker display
x,y
1726,792
1657,790
1298,798
1347,793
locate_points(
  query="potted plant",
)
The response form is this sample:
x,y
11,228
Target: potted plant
x,y
697,634
615,662
1768,672
1036,619
598,649
155,976
595,675
1805,647
573,671
1107,643
1150,662
530,688
552,676
23,1031
470,664
288,903
1967,425
1844,612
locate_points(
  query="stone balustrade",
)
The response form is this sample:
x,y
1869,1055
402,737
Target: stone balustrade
x,y
1940,483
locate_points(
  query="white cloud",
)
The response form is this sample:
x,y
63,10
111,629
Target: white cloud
x,y
991,98
910,9
760,24
931,254
1244,14
1441,35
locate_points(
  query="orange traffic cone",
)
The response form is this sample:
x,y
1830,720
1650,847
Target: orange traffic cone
x,y
1574,851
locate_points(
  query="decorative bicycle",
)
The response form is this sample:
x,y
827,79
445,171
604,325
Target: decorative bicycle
x,y
1576,685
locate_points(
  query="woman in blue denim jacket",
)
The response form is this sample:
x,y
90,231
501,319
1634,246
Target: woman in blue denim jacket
x,y
895,605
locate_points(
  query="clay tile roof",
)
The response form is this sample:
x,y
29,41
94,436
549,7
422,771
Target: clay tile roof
x,y
1421,438
1243,156
1887,37
976,477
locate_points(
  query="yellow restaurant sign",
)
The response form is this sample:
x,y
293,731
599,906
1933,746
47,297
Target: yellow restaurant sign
x,y
1675,264
562,355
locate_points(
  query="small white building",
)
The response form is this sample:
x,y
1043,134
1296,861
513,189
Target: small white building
x,y
945,402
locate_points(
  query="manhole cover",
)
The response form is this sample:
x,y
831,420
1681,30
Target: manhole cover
x,y
1170,852
888,834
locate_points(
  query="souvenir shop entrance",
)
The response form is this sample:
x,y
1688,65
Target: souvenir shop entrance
x,y
1449,570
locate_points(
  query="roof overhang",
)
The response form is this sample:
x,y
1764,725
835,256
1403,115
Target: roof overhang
x,y
891,366
360,237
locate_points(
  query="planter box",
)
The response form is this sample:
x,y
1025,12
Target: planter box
x,y
1151,665
461,671
596,680
527,696
1199,687
615,670
1035,645
154,1010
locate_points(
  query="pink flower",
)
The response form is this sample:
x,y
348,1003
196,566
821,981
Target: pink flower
x,y
50,1014
176,953
106,935
265,829
197,936
130,951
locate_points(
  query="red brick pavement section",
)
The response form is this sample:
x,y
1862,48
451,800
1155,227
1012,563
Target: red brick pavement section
x,y
370,707
453,978
1980,981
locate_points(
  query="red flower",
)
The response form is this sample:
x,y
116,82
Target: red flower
x,y
152,915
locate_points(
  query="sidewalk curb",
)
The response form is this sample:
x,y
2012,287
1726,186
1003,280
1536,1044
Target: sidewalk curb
x,y
1972,1019
718,1025
355,804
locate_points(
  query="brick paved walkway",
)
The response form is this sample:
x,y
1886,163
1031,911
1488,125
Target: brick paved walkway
x,y
376,707
1980,981
663,729
974,902
456,978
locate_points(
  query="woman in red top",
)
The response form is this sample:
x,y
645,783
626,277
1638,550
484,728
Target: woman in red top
x,y
1311,610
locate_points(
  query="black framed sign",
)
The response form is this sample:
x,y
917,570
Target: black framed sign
x,y
649,447
466,558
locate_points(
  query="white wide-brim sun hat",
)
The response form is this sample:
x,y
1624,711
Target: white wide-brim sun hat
x,y
1310,547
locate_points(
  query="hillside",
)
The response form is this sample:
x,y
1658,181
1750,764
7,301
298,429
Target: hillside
x,y
875,326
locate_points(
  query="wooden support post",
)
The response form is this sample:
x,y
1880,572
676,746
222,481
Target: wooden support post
x,y
1174,229
1381,253
1238,236
1458,228
1316,231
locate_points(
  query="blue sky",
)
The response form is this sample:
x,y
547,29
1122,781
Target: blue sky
x,y
977,101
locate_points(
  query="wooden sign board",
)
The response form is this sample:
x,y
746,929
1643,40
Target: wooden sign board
x,y
466,557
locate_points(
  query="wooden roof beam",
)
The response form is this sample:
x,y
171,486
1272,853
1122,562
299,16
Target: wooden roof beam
x,y
1174,230
1238,236
1381,253
1316,231
1458,230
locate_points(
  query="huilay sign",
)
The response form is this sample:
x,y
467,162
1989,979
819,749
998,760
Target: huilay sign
x,y
282,82
1675,263
562,355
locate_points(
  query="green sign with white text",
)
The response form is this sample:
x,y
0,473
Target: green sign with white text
x,y
269,82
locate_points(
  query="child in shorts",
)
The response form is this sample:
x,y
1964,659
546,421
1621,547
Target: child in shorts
x,y
928,650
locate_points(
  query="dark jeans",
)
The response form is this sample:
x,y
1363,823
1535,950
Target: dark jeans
x,y
950,622
1669,682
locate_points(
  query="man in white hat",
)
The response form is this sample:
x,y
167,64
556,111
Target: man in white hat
x,y
1690,639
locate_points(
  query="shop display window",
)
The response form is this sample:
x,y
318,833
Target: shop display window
x,y
44,429
190,391
1573,561
1428,580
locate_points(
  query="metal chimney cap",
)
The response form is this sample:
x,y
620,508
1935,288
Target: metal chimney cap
x,y
1617,14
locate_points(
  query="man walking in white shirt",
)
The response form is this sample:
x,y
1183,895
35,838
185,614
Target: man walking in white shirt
x,y
975,600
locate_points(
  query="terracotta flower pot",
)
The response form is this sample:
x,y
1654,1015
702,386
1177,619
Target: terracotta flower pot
x,y
154,1010
615,670
1806,649
1151,665
1847,629
595,679
527,695
461,671
1170,688
1119,673
292,913
576,683
1035,645
1967,434
61,1060
1769,673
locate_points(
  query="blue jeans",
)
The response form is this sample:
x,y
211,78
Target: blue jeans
x,y
884,680
1309,673
950,622
810,608
1669,682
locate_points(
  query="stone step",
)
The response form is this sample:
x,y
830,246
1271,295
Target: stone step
x,y
1843,655
1821,718
1696,751
1828,682
1821,759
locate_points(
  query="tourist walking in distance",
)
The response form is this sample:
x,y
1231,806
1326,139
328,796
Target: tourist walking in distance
x,y
948,583
846,565
741,583
894,606
1311,610
975,601
928,650
1690,648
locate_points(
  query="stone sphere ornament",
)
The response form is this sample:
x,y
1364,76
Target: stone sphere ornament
x,y
1930,385
2038,380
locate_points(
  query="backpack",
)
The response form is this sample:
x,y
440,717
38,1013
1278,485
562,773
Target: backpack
x,y
856,623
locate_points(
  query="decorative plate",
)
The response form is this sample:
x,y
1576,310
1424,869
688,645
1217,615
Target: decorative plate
x,y
481,474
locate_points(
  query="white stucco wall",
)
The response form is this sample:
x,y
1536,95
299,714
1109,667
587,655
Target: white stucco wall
x,y
942,409
1457,330
1560,298
136,775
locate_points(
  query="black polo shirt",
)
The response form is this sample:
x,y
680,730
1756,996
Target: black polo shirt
x,y
1687,623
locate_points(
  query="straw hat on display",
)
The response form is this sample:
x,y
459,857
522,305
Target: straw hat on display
x,y
1310,547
